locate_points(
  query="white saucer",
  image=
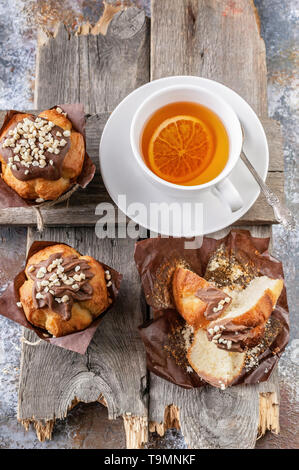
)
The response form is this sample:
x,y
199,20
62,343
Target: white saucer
x,y
122,176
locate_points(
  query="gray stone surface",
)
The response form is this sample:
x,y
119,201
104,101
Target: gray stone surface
x,y
19,20
279,28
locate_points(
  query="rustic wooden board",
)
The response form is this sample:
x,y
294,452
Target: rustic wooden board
x,y
113,371
196,50
214,40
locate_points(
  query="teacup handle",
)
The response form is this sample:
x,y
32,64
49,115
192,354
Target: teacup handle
x,y
227,191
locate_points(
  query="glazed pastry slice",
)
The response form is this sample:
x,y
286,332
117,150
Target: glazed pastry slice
x,y
217,353
242,324
216,366
197,300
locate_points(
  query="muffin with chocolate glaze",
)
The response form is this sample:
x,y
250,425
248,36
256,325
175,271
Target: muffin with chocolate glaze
x,y
41,156
64,291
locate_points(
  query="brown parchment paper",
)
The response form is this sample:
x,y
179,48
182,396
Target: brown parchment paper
x,y
156,259
75,113
78,341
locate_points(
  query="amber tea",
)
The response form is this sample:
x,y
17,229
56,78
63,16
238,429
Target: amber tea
x,y
185,143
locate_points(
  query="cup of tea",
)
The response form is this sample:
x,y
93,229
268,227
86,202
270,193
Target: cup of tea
x,y
187,139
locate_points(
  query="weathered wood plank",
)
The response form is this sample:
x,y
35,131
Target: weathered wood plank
x,y
81,212
94,64
212,39
113,370
221,41
81,208
248,413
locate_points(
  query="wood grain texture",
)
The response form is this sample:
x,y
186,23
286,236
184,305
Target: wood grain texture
x,y
212,39
221,41
113,370
94,64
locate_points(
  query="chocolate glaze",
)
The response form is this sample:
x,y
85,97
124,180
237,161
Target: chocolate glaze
x,y
237,334
49,172
84,292
212,297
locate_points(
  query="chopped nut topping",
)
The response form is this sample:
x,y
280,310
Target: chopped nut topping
x,y
30,138
59,274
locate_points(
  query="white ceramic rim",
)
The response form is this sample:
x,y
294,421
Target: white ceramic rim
x,y
161,81
232,160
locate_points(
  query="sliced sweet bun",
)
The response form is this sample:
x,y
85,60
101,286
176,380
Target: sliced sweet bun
x,y
83,312
72,164
185,284
218,367
253,305
242,325
195,298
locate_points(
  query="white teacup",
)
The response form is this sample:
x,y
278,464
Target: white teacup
x,y
221,184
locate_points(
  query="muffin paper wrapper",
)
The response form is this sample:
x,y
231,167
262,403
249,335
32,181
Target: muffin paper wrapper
x,y
78,341
75,113
156,259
